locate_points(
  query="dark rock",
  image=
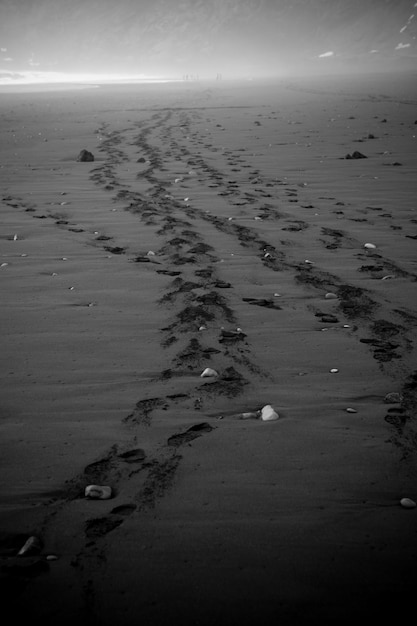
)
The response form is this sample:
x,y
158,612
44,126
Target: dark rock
x,y
356,155
85,156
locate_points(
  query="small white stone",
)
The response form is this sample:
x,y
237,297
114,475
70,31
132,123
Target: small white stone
x,y
97,492
203,328
4,264
268,414
407,503
369,246
309,262
334,370
250,415
350,410
52,557
150,253
331,296
208,372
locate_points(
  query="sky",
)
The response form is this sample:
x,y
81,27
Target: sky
x,y
203,38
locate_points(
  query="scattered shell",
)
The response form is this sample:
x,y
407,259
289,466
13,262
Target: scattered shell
x,y
4,264
350,410
334,370
309,262
31,546
407,503
388,276
369,246
51,557
268,414
346,326
97,492
393,398
331,296
208,372
203,328
150,253
14,237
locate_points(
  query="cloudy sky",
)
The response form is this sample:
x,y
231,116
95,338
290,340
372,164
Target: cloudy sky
x,y
206,37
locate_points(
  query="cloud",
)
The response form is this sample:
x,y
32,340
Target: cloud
x,y
330,53
400,46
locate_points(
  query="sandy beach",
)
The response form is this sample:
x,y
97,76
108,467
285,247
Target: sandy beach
x,y
219,226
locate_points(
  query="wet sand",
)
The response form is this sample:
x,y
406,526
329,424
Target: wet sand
x,y
208,232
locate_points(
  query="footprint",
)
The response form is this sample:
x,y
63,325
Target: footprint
x,y
191,433
98,527
133,456
123,509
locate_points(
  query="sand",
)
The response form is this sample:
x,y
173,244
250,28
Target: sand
x,y
207,232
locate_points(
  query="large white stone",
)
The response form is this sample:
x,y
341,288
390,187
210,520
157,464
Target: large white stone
x,y
268,414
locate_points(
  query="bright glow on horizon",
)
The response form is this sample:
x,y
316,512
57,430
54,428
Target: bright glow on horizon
x,y
25,77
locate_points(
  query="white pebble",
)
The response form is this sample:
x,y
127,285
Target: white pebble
x,y
407,503
334,371
350,410
369,246
250,415
150,253
208,372
4,264
96,492
268,414
330,296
